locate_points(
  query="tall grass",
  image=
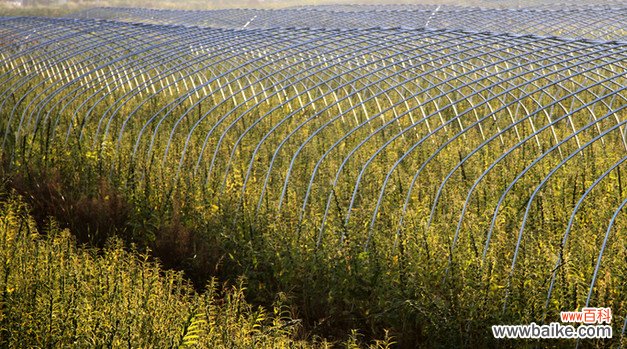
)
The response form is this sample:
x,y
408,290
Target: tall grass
x,y
54,293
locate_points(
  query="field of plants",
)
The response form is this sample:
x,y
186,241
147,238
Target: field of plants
x,y
409,172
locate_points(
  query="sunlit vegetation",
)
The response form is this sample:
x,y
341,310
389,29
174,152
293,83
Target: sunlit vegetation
x,y
55,294
414,185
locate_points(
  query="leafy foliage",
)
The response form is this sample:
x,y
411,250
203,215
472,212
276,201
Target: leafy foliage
x,y
55,294
416,185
